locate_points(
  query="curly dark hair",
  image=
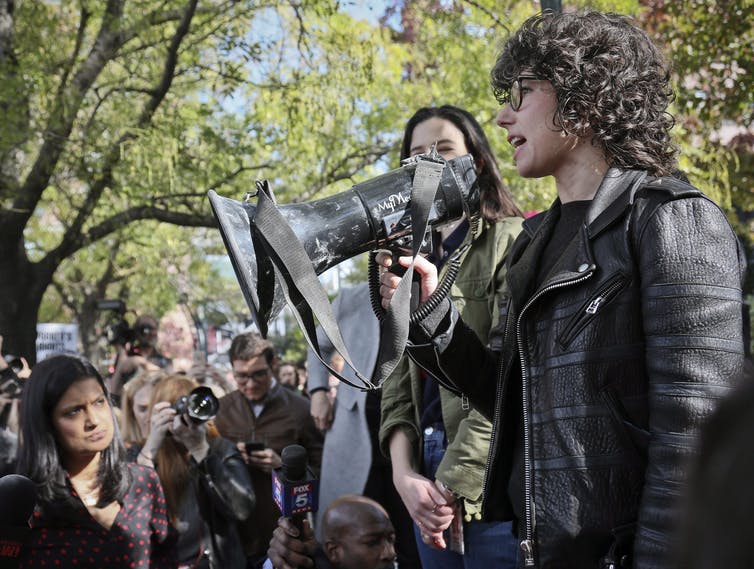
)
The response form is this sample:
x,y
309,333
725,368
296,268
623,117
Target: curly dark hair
x,y
496,199
610,80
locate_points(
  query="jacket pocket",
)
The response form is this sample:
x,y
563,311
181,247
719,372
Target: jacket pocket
x,y
592,307
634,437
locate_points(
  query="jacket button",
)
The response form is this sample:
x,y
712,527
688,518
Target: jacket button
x,y
583,267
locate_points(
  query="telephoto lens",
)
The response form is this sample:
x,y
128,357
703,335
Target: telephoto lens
x,y
200,405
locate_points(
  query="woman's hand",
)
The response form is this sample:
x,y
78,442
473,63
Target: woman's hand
x,y
425,503
389,282
160,421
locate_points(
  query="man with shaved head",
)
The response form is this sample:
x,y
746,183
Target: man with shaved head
x,y
356,534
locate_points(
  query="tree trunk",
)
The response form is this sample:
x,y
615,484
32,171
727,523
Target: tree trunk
x,y
21,292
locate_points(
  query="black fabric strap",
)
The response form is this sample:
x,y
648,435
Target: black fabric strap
x,y
303,292
394,326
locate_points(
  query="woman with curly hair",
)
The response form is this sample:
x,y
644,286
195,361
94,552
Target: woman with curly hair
x,y
621,326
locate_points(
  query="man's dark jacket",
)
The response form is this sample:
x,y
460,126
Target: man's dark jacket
x,y
285,420
621,352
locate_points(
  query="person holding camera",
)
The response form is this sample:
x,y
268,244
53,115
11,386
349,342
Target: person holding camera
x,y
139,353
13,372
207,487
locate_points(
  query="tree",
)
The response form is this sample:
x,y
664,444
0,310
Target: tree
x,y
122,111
83,87
118,115
116,112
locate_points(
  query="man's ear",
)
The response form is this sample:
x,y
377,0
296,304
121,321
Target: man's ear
x,y
333,551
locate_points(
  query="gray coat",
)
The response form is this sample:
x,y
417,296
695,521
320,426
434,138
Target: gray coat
x,y
347,454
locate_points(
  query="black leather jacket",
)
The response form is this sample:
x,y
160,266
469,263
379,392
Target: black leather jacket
x,y
221,497
620,354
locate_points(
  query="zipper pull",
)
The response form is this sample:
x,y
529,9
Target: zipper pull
x,y
527,548
465,403
594,305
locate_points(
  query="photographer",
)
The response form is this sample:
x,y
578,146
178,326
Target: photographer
x,y
13,371
207,487
140,353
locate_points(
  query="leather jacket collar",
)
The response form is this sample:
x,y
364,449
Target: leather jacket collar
x,y
614,196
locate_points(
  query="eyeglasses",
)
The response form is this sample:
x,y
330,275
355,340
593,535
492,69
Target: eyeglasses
x,y
258,375
516,92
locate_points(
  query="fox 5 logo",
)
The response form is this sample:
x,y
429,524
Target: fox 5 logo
x,y
302,496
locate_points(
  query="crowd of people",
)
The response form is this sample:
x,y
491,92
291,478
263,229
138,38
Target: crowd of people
x,y
560,408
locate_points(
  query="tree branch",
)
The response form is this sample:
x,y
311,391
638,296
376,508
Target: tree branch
x,y
83,21
63,113
141,213
339,171
169,68
498,22
73,238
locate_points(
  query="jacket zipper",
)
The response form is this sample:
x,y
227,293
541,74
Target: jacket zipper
x,y
585,315
527,544
497,416
595,304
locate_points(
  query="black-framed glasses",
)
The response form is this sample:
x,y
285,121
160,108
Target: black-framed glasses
x,y
258,375
516,92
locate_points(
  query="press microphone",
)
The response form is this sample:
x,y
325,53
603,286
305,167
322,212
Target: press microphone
x,y
18,496
295,489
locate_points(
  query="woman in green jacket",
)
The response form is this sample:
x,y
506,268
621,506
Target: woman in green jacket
x,y
437,445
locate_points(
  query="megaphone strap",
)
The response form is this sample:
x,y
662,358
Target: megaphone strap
x,y
303,291
394,326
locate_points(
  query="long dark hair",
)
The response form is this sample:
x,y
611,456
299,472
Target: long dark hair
x,y
496,199
39,454
611,82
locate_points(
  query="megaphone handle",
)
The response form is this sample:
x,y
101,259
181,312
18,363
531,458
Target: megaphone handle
x,y
416,281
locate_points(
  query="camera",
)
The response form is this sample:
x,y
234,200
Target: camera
x,y
14,362
10,384
200,405
117,332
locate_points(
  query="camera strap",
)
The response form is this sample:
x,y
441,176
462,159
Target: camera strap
x,y
307,298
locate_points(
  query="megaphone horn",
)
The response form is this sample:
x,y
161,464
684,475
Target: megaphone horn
x,y
370,215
